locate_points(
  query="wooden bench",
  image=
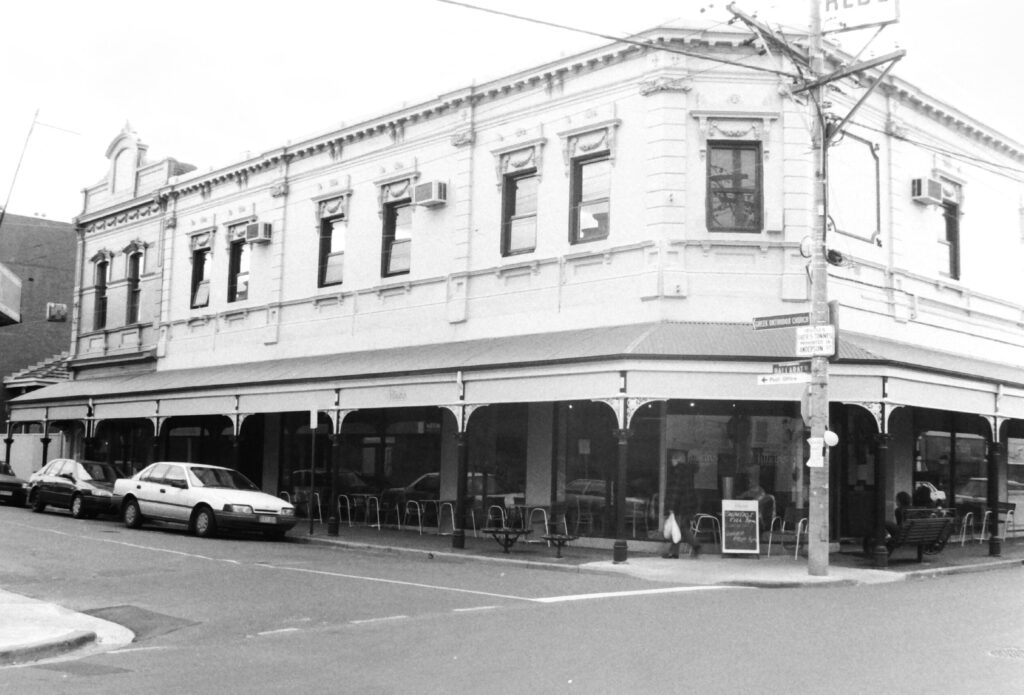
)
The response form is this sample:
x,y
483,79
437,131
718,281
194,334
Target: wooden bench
x,y
928,534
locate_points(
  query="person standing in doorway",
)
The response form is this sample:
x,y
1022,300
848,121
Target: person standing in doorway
x,y
681,497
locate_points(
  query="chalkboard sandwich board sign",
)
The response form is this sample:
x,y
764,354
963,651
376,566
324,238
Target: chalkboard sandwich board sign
x,y
740,527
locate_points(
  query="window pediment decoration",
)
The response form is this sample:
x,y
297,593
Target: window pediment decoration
x,y
201,240
396,187
135,246
526,154
103,255
589,139
336,205
236,230
735,125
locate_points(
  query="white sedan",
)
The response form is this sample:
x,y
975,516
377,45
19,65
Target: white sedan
x,y
204,498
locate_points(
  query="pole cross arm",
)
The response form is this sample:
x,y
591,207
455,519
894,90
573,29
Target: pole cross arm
x,y
852,70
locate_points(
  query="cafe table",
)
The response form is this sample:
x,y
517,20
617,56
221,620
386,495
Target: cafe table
x,y
506,536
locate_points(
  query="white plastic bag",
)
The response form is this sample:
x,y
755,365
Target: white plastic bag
x,y
672,532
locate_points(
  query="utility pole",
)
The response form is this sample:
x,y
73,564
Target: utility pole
x,y
818,512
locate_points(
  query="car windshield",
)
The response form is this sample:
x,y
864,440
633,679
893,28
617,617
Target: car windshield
x,y
100,472
219,477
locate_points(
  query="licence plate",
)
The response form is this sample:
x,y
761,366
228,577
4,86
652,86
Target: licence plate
x,y
6,493
267,519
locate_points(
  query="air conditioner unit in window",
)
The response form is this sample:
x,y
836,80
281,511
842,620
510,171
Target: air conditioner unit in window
x,y
430,194
257,232
926,191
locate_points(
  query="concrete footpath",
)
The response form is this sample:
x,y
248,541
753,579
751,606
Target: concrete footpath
x,y
31,630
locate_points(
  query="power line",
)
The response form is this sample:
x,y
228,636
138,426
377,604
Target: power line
x,y
619,39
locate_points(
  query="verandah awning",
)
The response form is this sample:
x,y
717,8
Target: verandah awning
x,y
663,360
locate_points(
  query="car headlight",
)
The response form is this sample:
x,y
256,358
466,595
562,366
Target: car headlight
x,y
102,493
287,511
238,508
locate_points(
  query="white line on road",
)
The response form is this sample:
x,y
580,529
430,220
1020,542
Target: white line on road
x,y
637,592
378,620
399,582
474,608
277,632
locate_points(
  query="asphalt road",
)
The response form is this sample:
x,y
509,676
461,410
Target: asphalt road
x,y
247,615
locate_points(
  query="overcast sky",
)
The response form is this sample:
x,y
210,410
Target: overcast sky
x,y
205,81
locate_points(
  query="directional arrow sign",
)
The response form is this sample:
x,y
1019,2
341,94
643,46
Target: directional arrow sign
x,y
790,378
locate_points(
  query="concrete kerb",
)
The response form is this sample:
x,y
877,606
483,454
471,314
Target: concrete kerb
x,y
455,556
47,648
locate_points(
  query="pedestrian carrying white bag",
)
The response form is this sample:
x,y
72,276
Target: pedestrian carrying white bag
x,y
672,532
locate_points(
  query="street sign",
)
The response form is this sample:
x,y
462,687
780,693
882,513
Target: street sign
x,y
800,367
817,449
781,321
815,341
775,379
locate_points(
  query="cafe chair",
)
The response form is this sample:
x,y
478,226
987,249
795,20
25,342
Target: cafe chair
x,y
319,511
390,510
584,517
412,507
769,521
285,496
373,511
795,524
636,516
966,524
496,516
347,506
537,516
710,521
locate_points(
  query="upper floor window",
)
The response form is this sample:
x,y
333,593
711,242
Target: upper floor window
x,y
590,185
951,242
99,315
238,270
519,212
200,278
396,252
734,187
332,216
332,251
133,274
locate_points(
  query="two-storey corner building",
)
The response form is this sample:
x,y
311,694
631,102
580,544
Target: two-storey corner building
x,y
555,275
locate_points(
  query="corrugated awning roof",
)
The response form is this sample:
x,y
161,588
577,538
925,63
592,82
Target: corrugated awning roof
x,y
660,341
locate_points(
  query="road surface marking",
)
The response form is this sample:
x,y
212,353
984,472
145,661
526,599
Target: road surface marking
x,y
637,592
379,620
398,582
277,632
474,608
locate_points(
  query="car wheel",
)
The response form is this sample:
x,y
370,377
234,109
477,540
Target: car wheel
x,y
78,507
132,514
203,523
37,502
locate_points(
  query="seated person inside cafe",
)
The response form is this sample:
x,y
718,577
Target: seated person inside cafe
x,y
754,491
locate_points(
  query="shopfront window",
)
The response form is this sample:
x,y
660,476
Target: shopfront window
x,y
741,451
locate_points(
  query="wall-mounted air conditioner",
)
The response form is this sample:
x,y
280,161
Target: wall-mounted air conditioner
x,y
926,191
257,232
430,193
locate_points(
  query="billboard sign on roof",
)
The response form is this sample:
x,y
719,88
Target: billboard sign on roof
x,y
845,15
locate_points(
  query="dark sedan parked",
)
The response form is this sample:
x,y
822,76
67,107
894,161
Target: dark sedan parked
x,y
12,488
86,487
